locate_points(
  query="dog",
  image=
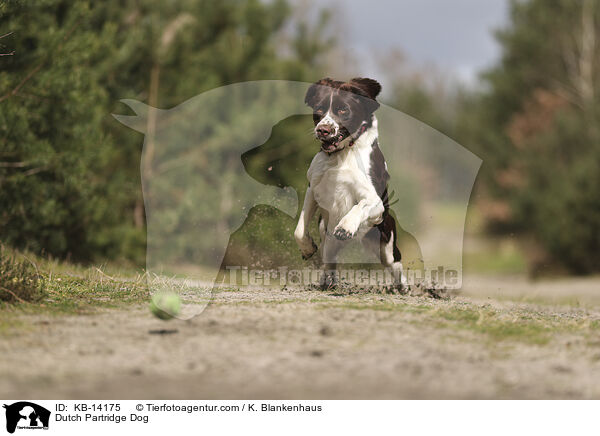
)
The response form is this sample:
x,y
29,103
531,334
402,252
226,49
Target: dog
x,y
348,178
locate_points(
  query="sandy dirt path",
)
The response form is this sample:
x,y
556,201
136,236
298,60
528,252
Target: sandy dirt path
x,y
293,344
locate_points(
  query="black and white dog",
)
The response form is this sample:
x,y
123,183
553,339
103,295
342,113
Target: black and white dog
x,y
348,176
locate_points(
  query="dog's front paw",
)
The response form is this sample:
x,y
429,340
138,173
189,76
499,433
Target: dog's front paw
x,y
342,234
308,249
346,228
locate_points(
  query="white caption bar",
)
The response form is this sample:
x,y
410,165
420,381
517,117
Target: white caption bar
x,y
291,417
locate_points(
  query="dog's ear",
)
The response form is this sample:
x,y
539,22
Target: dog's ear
x,y
367,89
313,91
371,87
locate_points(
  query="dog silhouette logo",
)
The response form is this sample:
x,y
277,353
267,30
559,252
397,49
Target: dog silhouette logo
x,y
224,174
26,415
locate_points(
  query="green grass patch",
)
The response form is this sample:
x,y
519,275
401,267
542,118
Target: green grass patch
x,y
82,294
384,307
497,326
33,284
494,325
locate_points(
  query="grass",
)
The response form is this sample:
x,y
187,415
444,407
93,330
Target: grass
x,y
77,294
33,284
19,278
38,285
494,325
498,327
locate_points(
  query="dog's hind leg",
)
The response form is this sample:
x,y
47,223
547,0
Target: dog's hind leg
x,y
389,253
330,247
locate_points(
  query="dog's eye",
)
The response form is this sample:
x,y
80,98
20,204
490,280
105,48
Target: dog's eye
x,y
319,111
342,111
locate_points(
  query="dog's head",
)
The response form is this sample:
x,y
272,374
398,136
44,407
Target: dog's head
x,y
342,111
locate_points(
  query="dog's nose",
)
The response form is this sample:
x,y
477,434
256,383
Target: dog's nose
x,y
324,131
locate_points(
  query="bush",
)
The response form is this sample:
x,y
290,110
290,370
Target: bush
x,y
19,279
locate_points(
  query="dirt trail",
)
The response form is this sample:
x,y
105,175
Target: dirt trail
x,y
300,344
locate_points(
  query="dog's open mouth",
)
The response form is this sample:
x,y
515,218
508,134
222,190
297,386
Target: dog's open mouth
x,y
333,144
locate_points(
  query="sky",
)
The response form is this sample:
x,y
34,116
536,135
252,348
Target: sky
x,y
453,36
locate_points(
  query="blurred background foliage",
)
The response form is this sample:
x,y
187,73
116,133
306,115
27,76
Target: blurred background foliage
x,y
70,174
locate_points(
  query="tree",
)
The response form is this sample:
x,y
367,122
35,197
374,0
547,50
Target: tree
x,y
538,131
69,173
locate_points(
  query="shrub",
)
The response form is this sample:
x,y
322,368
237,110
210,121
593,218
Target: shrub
x,y
19,278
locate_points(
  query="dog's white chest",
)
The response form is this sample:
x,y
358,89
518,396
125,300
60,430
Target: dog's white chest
x,y
334,192
338,182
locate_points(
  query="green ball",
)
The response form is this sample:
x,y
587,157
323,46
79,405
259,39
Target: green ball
x,y
165,305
